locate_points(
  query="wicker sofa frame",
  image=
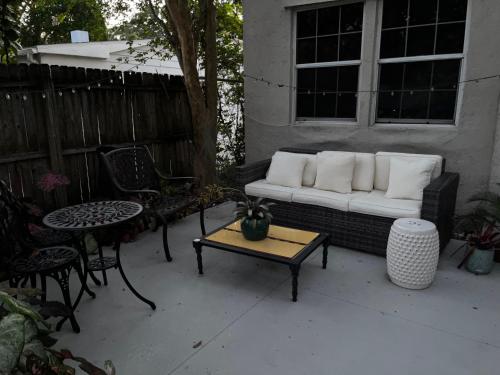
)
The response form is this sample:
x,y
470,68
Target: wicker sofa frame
x,y
353,230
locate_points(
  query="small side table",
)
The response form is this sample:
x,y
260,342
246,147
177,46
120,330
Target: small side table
x,y
94,216
412,253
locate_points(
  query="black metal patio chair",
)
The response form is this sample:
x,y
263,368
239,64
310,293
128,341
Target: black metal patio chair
x,y
135,177
23,258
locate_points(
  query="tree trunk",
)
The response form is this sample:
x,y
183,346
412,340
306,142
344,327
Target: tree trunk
x,y
203,104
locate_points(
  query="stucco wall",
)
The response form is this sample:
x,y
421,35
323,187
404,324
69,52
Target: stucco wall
x,y
468,146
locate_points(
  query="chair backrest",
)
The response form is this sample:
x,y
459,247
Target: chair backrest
x,y
12,224
132,168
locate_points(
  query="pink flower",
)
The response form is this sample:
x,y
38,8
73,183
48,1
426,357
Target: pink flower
x,y
52,180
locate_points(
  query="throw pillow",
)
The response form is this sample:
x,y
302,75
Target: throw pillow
x,y
335,172
286,169
309,176
408,178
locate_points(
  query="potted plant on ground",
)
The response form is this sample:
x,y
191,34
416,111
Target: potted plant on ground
x,y
255,218
481,228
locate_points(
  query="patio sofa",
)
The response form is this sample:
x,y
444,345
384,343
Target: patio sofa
x,y
360,219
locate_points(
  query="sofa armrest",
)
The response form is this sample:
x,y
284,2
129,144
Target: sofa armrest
x,y
438,204
251,172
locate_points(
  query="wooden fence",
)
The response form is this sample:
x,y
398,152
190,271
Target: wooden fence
x,y
53,118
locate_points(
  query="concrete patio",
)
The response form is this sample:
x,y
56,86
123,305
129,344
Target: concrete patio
x,y
239,319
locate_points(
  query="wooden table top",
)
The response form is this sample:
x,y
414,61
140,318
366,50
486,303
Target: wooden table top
x,y
281,241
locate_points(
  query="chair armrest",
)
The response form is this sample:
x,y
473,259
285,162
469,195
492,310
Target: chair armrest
x,y
438,204
251,172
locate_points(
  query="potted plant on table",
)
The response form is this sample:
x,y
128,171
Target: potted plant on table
x,y
255,218
481,228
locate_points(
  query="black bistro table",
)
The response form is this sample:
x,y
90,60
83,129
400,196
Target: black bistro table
x,y
94,216
283,245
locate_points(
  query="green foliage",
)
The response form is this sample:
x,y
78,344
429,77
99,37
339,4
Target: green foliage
x,y
9,29
50,21
24,342
254,210
149,21
481,226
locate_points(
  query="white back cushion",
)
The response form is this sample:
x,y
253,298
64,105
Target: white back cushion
x,y
409,177
335,172
382,166
309,176
364,169
286,169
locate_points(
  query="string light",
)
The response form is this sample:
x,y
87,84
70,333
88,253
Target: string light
x,y
60,93
44,95
25,97
73,91
7,96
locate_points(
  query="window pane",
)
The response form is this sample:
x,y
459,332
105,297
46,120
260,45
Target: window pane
x,y
306,23
423,12
326,79
305,105
443,105
306,79
452,10
388,105
414,105
393,43
327,48
325,105
391,76
328,20
351,17
446,74
346,107
306,50
450,38
350,46
420,41
348,78
418,75
395,13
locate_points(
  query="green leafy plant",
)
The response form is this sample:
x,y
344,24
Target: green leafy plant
x,y
253,210
9,30
481,226
25,341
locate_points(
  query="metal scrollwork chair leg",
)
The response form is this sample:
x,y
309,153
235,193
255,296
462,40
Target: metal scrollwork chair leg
x,y
62,278
101,255
166,249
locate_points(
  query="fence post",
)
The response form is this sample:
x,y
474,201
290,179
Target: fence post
x,y
53,136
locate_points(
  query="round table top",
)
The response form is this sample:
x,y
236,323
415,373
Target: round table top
x,y
92,215
415,226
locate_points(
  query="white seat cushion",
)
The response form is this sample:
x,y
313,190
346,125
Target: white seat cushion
x,y
375,203
286,169
262,188
383,166
364,169
323,198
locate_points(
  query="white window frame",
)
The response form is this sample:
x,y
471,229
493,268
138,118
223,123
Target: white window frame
x,y
296,67
369,70
419,123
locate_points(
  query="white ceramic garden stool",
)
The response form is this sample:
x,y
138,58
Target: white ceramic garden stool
x,y
412,253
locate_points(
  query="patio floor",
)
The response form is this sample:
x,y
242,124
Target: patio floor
x,y
349,319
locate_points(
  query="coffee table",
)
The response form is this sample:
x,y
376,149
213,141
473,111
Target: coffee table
x,y
283,245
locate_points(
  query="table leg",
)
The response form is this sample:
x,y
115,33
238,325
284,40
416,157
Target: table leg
x,y
101,255
197,247
294,268
62,279
83,253
325,252
129,285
